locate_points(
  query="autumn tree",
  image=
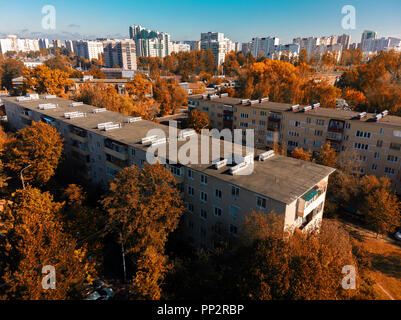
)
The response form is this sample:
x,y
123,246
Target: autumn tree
x,y
42,79
380,205
327,156
300,267
32,239
39,147
10,69
139,87
301,154
198,120
169,95
96,73
144,207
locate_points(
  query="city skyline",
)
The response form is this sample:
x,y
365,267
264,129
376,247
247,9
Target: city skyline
x,y
260,19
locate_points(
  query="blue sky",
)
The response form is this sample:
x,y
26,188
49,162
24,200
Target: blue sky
x,y
240,20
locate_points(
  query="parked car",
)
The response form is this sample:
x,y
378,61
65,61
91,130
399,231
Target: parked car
x,y
100,291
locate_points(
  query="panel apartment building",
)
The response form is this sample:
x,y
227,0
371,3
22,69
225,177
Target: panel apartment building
x,y
216,194
375,139
120,53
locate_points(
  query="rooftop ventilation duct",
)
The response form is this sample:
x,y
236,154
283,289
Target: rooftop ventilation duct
x,y
112,126
295,107
19,99
50,96
76,104
148,139
47,106
98,110
266,155
308,108
263,100
33,96
244,101
132,120
159,141
316,105
186,133
103,125
384,113
362,115
220,164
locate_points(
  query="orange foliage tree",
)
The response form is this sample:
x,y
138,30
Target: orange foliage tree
x,y
33,237
38,146
301,154
42,79
197,120
144,207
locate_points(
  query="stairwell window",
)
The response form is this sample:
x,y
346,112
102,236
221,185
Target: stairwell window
x,y
203,179
234,192
203,196
261,202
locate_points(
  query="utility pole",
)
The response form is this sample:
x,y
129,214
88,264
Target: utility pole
x,y
22,177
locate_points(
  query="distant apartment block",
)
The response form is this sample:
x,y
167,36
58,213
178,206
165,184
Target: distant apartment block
x,y
193,45
218,44
179,46
375,139
216,194
12,43
88,49
118,73
120,53
371,43
150,43
264,46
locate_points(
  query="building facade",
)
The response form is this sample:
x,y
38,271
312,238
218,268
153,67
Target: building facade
x,y
217,195
373,139
88,49
150,43
218,44
120,53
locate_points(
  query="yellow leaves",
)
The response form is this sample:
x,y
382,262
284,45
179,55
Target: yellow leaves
x,y
40,146
198,120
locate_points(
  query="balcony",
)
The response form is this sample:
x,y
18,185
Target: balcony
x,y
311,200
78,134
80,150
117,154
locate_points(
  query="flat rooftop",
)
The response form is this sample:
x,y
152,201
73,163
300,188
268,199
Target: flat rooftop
x,y
281,178
339,114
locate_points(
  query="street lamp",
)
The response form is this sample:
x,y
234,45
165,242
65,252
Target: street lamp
x,y
22,177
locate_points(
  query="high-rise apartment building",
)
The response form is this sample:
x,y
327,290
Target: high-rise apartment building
x,y
217,193
120,53
44,43
179,46
69,44
12,43
367,35
264,46
218,44
88,49
373,139
193,44
345,41
150,43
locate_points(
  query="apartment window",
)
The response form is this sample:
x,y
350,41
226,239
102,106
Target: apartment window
x,y
203,179
203,214
254,112
99,157
261,202
308,120
293,134
263,113
262,123
253,121
361,146
317,143
176,171
381,131
297,123
203,196
320,122
362,134
97,144
346,138
389,171
190,174
217,212
347,126
234,192
190,207
233,230
397,133
234,211
217,194
133,152
391,158
395,146
318,133
191,191
374,167
244,115
377,155
243,124
292,143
